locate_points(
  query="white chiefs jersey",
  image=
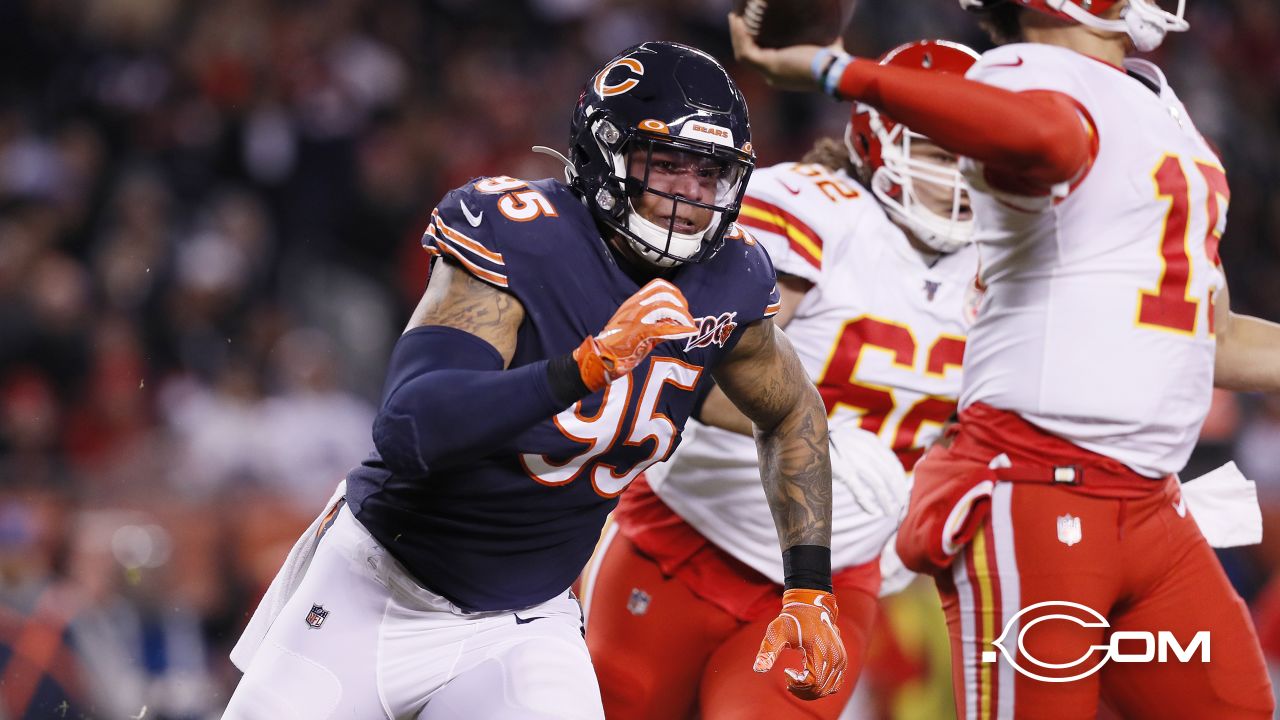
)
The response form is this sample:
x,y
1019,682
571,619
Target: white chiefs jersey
x,y
1097,324
882,334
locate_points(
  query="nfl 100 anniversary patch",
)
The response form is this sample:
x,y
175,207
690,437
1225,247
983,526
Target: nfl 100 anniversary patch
x,y
712,330
316,617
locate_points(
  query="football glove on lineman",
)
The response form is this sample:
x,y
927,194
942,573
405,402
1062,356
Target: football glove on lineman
x,y
656,312
807,623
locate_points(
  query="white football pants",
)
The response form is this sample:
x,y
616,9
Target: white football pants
x,y
387,648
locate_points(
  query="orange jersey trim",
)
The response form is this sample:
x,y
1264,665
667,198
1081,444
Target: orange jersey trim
x,y
465,241
495,278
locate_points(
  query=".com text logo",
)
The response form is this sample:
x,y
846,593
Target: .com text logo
x,y
1156,647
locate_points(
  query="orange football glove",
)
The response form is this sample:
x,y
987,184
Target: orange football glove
x,y
807,623
657,312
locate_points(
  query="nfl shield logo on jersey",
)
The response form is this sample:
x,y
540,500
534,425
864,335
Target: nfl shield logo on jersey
x,y
638,603
316,617
1069,529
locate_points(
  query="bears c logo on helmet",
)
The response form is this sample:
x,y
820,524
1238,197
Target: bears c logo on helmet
x,y
604,90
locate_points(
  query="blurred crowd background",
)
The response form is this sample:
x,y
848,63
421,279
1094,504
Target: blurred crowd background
x,y
209,238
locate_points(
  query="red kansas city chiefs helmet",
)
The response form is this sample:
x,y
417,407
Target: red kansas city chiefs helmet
x,y
881,148
1146,22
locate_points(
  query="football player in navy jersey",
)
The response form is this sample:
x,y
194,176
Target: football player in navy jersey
x,y
566,334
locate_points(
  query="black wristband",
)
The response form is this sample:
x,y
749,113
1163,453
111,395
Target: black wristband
x,y
565,380
807,567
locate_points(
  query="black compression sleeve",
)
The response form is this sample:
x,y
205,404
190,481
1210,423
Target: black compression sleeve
x,y
447,395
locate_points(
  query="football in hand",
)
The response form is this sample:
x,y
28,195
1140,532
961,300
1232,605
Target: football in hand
x,y
781,23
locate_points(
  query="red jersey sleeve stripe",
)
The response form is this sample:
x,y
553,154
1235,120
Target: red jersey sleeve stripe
x,y
771,218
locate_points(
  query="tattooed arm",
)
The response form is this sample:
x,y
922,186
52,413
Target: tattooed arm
x,y
456,299
718,410
450,392
765,380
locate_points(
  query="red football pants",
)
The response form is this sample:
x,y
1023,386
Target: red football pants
x,y
1142,563
661,651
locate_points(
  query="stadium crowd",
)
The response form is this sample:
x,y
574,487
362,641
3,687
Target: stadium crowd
x,y
209,224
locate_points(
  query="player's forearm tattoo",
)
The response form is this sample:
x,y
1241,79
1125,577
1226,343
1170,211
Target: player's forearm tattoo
x,y
796,471
771,387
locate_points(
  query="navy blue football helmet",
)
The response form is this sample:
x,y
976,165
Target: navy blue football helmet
x,y
661,97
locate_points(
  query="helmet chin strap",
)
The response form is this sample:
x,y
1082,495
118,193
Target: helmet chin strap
x,y
1143,21
682,245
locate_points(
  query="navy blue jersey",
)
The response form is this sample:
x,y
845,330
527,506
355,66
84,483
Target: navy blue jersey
x,y
513,527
